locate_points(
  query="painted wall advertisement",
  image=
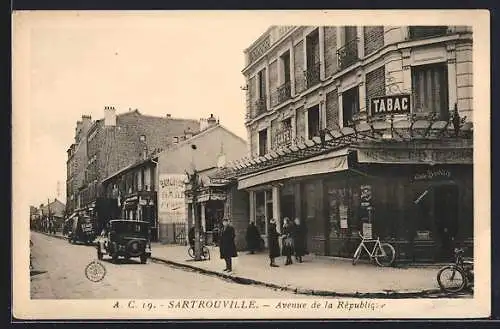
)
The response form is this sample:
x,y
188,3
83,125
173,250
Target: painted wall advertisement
x,y
171,203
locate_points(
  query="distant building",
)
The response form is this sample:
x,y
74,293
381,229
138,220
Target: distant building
x,y
213,147
112,143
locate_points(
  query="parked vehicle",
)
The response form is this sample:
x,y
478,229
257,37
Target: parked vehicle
x,y
81,229
457,276
383,253
125,238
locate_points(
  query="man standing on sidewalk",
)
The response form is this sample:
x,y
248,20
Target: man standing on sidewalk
x,y
226,245
272,242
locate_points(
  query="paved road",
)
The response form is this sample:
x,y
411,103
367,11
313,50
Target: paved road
x,y
59,273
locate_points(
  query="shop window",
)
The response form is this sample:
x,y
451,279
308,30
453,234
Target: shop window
x,y
313,123
430,90
350,105
262,142
260,211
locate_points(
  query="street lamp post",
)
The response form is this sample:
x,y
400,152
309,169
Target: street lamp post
x,y
194,182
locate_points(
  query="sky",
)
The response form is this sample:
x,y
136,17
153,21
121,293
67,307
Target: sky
x,y
187,66
184,63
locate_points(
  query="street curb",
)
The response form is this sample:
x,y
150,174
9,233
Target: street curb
x,y
303,291
389,294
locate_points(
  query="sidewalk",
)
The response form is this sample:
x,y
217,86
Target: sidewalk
x,y
316,275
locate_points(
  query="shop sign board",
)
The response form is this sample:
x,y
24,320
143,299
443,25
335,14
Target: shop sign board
x,y
416,156
367,230
392,104
171,197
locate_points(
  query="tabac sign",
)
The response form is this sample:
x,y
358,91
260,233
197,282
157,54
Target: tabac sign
x,y
393,104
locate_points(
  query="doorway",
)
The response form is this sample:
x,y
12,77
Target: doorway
x,y
445,209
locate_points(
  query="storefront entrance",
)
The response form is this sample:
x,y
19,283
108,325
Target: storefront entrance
x,y
445,218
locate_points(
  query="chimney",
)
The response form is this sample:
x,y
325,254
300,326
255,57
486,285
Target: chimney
x,y
212,121
109,116
203,124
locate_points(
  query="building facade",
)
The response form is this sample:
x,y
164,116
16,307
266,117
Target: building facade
x,y
213,146
119,140
77,163
362,130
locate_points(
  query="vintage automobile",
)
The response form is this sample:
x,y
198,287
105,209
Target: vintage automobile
x,y
81,229
125,238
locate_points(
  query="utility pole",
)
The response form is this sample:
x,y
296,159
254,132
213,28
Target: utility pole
x,y
194,182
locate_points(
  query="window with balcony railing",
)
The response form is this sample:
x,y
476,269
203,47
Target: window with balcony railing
x,y
284,92
312,74
420,32
350,106
348,54
260,106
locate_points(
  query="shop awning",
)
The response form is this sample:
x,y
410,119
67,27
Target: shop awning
x,y
326,163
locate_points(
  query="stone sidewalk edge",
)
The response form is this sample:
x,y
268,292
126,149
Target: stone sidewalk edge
x,y
303,291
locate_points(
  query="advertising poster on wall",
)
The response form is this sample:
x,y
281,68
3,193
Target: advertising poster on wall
x,y
171,205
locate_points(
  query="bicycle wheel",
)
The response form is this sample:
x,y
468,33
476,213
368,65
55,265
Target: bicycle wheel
x,y
191,252
385,255
356,255
451,279
206,253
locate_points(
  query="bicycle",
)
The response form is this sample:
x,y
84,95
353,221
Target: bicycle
x,y
460,274
205,252
383,252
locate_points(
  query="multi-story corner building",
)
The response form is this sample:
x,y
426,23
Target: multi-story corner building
x,y
77,163
116,141
362,129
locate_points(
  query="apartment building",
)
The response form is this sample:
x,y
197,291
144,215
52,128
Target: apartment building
x,y
77,163
115,142
361,129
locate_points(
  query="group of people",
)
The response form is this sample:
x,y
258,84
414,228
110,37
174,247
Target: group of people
x,y
293,240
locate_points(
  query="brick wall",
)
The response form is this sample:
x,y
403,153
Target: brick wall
x,y
464,80
374,38
330,51
332,110
375,85
273,82
252,89
301,122
298,51
254,142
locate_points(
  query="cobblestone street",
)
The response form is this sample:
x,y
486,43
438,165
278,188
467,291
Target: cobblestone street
x,y
59,273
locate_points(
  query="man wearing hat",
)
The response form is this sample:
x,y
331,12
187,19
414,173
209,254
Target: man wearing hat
x,y
272,242
226,245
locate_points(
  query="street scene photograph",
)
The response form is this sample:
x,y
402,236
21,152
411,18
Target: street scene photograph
x,y
213,158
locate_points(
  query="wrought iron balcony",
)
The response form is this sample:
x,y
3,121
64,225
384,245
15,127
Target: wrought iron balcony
x,y
420,32
348,54
260,105
284,92
312,75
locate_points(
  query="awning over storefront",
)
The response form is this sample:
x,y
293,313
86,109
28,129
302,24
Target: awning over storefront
x,y
327,163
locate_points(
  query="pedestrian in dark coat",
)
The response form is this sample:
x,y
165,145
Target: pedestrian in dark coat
x,y
272,242
252,237
287,236
226,245
299,240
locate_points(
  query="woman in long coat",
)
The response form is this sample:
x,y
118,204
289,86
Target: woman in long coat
x,y
299,240
272,242
227,246
252,237
288,242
